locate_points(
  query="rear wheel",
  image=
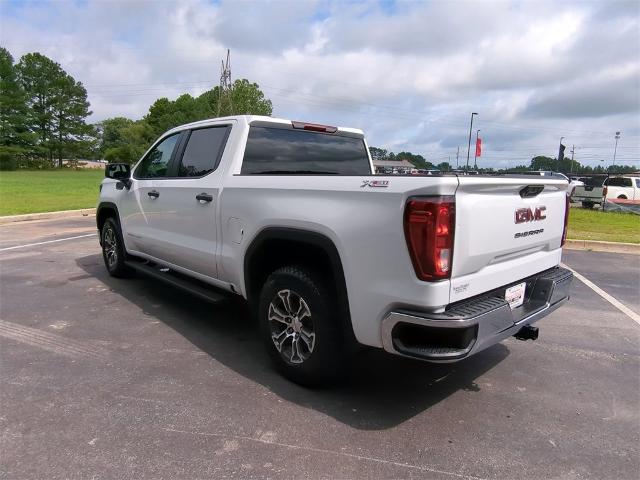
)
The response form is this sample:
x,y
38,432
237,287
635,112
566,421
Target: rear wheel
x,y
113,252
622,197
300,326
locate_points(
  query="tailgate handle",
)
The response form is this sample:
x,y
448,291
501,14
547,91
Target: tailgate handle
x,y
531,191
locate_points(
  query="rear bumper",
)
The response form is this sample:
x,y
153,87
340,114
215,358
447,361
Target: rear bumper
x,y
472,325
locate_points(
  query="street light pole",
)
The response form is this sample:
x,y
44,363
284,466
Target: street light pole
x,y
615,149
475,157
469,147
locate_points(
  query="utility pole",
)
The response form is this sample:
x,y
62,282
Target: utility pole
x,y
224,93
615,149
469,146
457,155
475,157
573,149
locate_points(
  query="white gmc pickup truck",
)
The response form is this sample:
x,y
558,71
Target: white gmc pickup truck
x,y
289,216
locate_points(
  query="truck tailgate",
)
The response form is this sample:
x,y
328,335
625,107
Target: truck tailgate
x,y
503,232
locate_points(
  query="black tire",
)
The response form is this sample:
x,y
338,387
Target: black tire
x,y
325,362
113,252
587,204
622,197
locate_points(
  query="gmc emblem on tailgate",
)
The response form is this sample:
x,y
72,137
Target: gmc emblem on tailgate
x,y
524,215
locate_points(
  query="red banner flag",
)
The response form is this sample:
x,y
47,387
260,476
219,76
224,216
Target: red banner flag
x,y
478,147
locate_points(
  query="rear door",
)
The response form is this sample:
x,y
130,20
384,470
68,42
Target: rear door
x,y
506,229
186,220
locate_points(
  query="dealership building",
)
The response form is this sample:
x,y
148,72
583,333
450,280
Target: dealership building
x,y
393,166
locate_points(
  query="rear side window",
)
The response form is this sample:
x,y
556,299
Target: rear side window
x,y
298,152
203,151
155,164
618,182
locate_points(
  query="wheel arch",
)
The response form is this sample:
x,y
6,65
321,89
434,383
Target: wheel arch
x,y
274,247
104,211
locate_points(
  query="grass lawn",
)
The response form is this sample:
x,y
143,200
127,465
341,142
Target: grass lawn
x,y
51,190
34,191
587,224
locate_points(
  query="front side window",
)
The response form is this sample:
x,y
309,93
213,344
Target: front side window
x,y
155,164
203,151
279,151
638,182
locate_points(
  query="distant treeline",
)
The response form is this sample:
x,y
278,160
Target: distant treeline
x,y
540,162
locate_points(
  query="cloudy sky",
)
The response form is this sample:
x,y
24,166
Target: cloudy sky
x,y
408,73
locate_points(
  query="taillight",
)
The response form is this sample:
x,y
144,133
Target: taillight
x,y
429,225
566,221
604,191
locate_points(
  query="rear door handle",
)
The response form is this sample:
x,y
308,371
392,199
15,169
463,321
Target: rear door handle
x,y
153,193
204,197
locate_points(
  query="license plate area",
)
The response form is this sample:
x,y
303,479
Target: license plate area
x,y
515,295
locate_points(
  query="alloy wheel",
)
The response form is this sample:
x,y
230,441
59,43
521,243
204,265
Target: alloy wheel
x,y
109,245
291,326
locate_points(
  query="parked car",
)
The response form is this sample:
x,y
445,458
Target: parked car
x,y
290,217
592,193
623,188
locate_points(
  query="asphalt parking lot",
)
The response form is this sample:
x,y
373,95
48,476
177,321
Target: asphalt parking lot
x,y
106,378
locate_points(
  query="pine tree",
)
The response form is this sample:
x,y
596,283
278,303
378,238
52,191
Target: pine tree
x,y
15,138
56,106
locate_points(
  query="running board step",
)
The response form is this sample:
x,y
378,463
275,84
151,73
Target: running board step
x,y
194,287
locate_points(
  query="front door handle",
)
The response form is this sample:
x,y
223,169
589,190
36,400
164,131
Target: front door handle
x,y
204,197
153,193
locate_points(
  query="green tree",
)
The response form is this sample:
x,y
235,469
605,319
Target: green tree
x,y
444,166
57,106
124,140
246,99
15,138
378,153
111,132
543,163
417,160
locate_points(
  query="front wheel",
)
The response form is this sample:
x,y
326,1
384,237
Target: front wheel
x,y
300,325
113,252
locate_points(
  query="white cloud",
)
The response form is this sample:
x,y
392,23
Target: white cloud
x,y
409,74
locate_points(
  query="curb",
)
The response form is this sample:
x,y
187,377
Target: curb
x,y
84,212
598,246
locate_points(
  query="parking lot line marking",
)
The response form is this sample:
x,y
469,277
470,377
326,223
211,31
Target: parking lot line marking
x,y
48,241
330,452
619,305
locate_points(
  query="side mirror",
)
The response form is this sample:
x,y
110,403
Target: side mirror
x,y
118,171
121,172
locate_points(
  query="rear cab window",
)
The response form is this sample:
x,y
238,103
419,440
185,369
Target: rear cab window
x,y
282,151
